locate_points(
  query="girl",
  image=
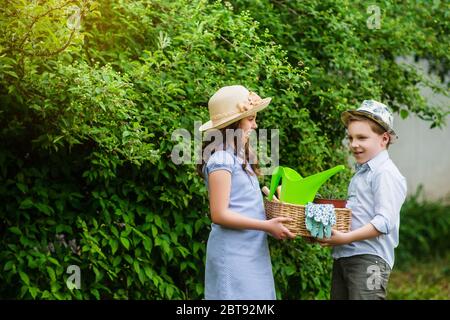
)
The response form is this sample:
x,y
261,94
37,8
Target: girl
x,y
237,255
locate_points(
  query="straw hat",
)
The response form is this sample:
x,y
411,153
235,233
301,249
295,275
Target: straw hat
x,y
375,111
230,104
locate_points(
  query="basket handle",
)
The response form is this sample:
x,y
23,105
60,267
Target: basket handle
x,y
266,191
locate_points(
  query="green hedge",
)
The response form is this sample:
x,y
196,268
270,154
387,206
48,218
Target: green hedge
x,y
349,58
87,157
424,230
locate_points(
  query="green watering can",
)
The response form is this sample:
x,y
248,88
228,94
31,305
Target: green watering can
x,y
298,190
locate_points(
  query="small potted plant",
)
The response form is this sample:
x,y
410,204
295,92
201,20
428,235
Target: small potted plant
x,y
332,195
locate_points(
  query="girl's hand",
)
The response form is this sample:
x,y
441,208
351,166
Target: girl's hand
x,y
337,238
278,230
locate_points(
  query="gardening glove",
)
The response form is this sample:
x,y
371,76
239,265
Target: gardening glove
x,y
327,231
317,232
331,221
319,218
313,226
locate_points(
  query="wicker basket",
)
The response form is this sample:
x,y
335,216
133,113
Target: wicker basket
x,y
297,214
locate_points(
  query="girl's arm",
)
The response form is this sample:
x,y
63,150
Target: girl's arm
x,y
219,198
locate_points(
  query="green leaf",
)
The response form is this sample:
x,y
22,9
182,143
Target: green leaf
x,y
15,230
197,246
148,272
184,252
26,204
57,139
98,274
116,261
154,231
404,113
46,295
22,187
169,291
11,73
148,244
42,207
188,229
95,293
61,227
128,258
125,242
54,261
129,281
8,265
141,276
158,221
114,245
33,291
290,270
136,266
24,278
115,231
51,274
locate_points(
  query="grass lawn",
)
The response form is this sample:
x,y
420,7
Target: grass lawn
x,y
421,281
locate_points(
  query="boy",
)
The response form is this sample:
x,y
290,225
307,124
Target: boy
x,y
364,257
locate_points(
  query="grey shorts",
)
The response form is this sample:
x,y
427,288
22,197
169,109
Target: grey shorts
x,y
361,277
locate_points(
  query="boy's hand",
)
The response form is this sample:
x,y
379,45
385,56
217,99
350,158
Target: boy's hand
x,y
337,238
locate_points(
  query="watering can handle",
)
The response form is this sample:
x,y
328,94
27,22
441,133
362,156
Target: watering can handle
x,y
276,176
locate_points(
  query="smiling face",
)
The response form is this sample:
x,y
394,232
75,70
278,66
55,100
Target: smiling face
x,y
364,142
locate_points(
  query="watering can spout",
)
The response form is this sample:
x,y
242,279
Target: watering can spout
x,y
298,190
315,181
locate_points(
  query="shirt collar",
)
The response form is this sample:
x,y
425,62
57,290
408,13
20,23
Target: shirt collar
x,y
360,167
378,160
373,163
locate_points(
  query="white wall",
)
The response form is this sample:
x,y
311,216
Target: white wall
x,y
423,154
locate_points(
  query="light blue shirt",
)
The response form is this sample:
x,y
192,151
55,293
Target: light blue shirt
x,y
375,195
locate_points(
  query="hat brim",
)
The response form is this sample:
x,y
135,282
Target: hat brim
x,y
346,114
236,117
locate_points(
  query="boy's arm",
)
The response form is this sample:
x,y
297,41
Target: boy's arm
x,y
389,194
367,231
